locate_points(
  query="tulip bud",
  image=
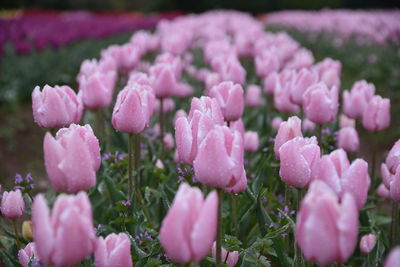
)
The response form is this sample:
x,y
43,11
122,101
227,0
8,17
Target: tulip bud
x,y
287,130
12,204
189,228
163,80
355,101
56,106
253,96
367,243
348,139
27,230
251,141
304,79
376,116
230,98
72,158
97,89
320,104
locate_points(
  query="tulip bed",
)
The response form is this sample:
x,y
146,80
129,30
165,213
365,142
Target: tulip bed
x,y
211,141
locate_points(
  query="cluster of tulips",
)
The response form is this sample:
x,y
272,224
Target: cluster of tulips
x,y
211,138
373,26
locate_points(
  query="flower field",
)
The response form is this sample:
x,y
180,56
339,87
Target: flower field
x,y
216,139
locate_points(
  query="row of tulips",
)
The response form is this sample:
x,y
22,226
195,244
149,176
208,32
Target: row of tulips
x,y
212,139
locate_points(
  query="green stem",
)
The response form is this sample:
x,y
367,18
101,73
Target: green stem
x,y
287,195
234,215
137,160
162,127
219,227
320,136
130,163
14,223
373,163
395,219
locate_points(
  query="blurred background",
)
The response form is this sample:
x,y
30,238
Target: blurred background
x,y
45,41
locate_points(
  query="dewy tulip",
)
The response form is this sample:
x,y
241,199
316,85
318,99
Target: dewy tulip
x,y
287,130
230,98
329,72
326,229
390,171
376,116
251,141
320,104
114,250
72,158
219,160
348,139
26,254
355,101
133,109
367,243
253,96
304,79
163,80
190,226
393,259
66,236
191,130
12,204
55,107
230,258
335,170
97,89
298,157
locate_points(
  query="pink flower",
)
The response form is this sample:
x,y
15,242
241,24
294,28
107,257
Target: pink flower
x,y
304,79
270,83
298,158
168,141
138,78
393,259
266,63
174,62
390,171
168,105
382,191
114,250
189,229
230,98
26,254
376,116
348,139
212,79
321,209
12,204
282,97
56,106
335,170
320,104
345,121
183,90
240,186
72,158
302,58
307,125
191,130
133,109
251,142
329,72
229,68
367,243
66,236
230,258
219,160
355,101
163,80
179,113
287,130
253,96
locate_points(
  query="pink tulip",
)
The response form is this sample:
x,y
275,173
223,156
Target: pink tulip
x,y
390,171
179,113
97,89
190,131
266,63
282,97
12,204
287,130
163,80
174,62
229,68
230,258
276,122
168,141
138,78
114,250
376,116
168,105
219,160
230,98
66,236
27,254
72,158
56,106
298,158
303,58
188,231
393,259
321,209
382,191
367,243
348,139
270,83
251,142
345,121
130,55
240,186
304,79
183,90
355,101
238,126
329,72
133,109
307,125
335,170
253,96
321,104
212,79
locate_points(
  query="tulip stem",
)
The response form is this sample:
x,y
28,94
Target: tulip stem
x,y
234,215
162,127
137,160
373,163
395,218
219,227
320,136
130,163
14,223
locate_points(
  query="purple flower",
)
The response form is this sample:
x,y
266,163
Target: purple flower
x,y
18,179
126,202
